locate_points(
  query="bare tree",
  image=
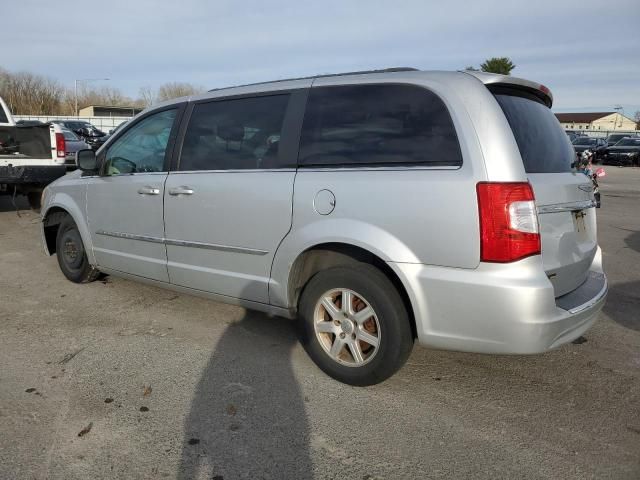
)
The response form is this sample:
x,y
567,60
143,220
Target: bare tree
x,y
147,96
30,94
636,117
177,89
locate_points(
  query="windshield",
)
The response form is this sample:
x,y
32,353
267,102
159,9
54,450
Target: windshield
x,y
584,141
615,138
543,145
628,142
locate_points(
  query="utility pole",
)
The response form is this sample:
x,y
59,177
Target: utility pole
x,y
617,108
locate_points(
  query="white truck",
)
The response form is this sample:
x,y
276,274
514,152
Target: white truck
x,y
31,156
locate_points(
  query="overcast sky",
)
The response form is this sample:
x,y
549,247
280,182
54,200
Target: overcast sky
x,y
587,52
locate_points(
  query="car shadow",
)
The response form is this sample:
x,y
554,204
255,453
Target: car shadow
x,y
623,303
247,417
7,203
633,241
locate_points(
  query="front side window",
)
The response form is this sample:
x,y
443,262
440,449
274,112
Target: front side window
x,y
377,125
143,147
241,133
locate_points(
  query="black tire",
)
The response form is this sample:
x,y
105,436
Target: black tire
x,y
395,334
34,200
71,254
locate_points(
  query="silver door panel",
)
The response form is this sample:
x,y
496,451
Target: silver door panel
x,y
222,237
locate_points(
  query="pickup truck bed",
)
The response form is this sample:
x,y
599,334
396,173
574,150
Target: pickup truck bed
x,y
30,156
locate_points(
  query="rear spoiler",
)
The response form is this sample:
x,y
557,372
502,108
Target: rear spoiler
x,y
494,80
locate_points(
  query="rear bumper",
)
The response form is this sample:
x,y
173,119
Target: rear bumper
x,y
38,174
499,309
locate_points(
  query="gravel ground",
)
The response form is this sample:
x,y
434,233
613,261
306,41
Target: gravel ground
x,y
119,380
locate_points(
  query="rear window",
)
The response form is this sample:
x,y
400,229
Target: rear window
x,y
629,142
543,145
3,116
616,137
377,125
584,141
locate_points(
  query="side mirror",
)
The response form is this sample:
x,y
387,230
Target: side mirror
x,y
86,160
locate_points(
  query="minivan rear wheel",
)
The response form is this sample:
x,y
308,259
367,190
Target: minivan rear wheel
x,y
71,254
354,324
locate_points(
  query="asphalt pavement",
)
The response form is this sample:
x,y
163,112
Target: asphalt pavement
x,y
116,379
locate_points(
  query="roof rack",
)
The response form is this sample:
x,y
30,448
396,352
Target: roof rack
x,y
361,72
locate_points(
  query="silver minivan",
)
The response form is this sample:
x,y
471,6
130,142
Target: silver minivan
x,y
378,208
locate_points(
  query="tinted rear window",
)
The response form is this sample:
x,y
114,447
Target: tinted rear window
x,y
3,116
377,125
543,145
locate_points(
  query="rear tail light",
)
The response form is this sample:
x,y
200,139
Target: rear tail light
x,y
508,222
60,145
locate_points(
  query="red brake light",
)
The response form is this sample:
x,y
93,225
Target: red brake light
x,y
508,222
60,145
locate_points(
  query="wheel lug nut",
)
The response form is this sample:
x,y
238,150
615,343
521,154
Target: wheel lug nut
x,y
353,335
336,322
342,335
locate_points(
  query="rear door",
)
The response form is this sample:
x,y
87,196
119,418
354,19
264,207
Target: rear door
x,y
564,198
228,206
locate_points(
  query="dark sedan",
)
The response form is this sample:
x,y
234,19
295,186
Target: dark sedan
x,y
624,153
616,137
596,145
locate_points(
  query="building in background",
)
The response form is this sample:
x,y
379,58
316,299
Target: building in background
x,y
108,111
607,121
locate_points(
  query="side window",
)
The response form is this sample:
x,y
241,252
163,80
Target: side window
x,y
142,148
377,125
234,134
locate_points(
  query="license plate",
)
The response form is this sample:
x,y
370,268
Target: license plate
x,y
578,220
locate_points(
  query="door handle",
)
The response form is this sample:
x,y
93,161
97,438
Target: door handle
x,y
181,191
147,190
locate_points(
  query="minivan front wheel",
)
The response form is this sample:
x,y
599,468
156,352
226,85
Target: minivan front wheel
x,y
355,325
71,254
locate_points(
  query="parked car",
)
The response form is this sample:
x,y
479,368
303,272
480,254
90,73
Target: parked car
x,y
73,143
596,145
85,130
118,127
573,135
31,156
624,153
377,208
616,137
